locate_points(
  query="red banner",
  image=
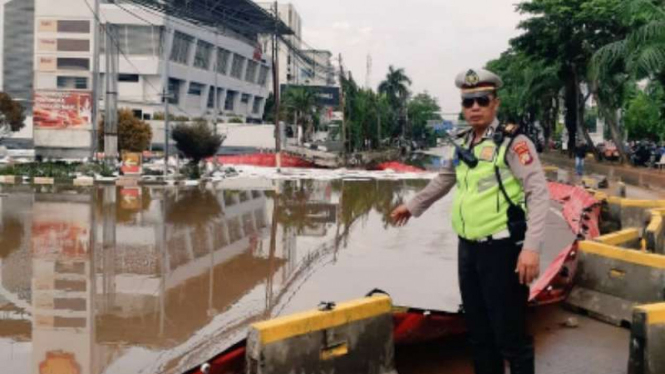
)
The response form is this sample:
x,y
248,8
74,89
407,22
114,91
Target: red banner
x,y
62,109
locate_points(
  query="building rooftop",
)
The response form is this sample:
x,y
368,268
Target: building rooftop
x,y
242,16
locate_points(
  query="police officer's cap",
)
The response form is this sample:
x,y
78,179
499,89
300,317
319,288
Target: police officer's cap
x,y
477,82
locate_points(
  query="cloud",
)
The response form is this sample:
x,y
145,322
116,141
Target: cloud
x,y
432,39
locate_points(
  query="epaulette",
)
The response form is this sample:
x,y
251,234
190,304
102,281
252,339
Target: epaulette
x,y
511,130
462,133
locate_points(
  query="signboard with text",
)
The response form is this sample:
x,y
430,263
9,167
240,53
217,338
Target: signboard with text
x,y
327,95
56,110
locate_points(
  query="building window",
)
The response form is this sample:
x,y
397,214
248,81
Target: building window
x,y
137,40
250,74
74,27
174,91
202,56
72,83
230,100
263,75
65,63
133,78
180,50
244,98
236,68
222,61
195,89
73,45
257,105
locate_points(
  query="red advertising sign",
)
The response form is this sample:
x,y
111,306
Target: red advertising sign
x,y
62,109
131,163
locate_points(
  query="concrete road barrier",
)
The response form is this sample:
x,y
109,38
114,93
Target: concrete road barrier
x,y
353,337
628,238
655,232
647,340
7,179
610,281
43,181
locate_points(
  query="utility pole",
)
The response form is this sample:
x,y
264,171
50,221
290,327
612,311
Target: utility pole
x,y
275,80
111,97
94,121
166,92
216,105
343,104
368,73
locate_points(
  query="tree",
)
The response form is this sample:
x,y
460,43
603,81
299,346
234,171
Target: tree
x,y
566,33
396,88
421,109
196,141
302,103
530,92
642,117
134,135
12,115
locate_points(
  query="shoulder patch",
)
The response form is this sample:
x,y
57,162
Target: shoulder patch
x,y
523,152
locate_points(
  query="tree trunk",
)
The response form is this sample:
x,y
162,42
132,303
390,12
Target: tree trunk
x,y
615,131
570,102
581,124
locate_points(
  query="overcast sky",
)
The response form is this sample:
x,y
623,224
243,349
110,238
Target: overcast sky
x,y
432,39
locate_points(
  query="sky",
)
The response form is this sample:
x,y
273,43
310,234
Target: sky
x,y
432,40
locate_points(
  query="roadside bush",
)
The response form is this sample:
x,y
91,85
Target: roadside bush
x,y
236,120
134,135
196,141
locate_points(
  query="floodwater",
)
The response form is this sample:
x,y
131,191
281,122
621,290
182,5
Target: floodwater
x,y
158,280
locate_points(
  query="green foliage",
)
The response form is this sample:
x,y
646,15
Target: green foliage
x,y
12,114
642,117
423,108
58,170
196,141
134,135
302,106
236,120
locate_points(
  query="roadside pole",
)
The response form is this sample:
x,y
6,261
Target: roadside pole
x,y
94,121
166,93
275,75
343,105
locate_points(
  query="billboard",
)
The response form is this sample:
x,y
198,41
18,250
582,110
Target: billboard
x,y
327,95
58,110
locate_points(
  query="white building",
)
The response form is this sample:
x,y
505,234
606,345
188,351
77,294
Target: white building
x,y
48,49
290,64
319,70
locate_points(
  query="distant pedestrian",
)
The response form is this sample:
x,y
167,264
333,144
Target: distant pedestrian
x,y
580,155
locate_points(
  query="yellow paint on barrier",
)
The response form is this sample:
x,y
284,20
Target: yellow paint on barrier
x,y
334,352
655,313
619,237
621,254
304,323
656,224
643,203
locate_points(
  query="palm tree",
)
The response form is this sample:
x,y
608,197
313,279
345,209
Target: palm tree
x,y
303,104
639,55
396,88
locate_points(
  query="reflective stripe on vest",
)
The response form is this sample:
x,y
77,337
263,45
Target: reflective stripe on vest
x,y
479,208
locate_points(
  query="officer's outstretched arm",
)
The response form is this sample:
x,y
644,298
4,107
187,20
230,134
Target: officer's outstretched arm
x,y
435,190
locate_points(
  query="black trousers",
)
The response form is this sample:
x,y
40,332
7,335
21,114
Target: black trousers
x,y
495,306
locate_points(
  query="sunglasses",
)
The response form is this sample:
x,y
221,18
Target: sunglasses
x,y
483,102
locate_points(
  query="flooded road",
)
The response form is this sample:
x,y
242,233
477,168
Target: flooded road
x,y
158,280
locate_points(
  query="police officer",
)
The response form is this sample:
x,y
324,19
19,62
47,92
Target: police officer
x,y
500,240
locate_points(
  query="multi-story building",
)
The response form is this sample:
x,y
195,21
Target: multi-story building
x,y
318,69
47,61
290,63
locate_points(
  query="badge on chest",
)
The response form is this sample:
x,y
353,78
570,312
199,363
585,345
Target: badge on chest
x,y
487,153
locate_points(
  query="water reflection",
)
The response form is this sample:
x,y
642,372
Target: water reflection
x,y
108,280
